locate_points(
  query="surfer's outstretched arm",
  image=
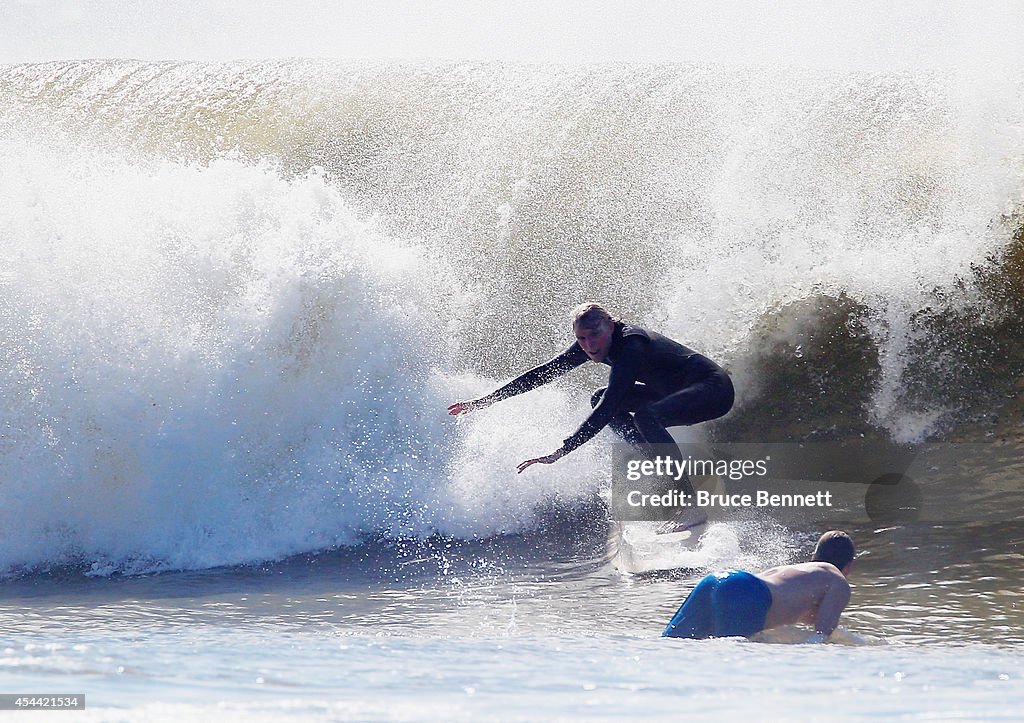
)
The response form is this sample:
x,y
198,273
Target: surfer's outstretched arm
x,y
622,378
567,360
468,406
547,459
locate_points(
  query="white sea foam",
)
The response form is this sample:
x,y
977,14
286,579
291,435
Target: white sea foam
x,y
207,365
237,298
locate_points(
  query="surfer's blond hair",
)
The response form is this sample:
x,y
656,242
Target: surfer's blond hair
x,y
591,316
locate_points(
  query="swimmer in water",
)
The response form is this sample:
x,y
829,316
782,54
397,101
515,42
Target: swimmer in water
x,y
738,603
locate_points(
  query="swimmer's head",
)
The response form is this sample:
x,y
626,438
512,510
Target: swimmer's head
x,y
593,327
835,547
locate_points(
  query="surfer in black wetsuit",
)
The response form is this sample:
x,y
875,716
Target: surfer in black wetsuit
x,y
654,383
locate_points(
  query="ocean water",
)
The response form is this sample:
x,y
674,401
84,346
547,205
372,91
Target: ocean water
x,y
515,628
236,299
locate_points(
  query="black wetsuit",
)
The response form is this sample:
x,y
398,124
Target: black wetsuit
x,y
654,383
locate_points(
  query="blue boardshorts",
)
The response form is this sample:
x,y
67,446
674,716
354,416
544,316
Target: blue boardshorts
x,y
723,604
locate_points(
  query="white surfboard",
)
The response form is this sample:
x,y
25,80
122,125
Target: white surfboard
x,y
639,548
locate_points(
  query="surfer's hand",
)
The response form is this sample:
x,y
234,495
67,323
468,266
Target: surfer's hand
x,y
463,407
549,459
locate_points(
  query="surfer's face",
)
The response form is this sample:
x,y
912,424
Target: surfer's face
x,y
595,340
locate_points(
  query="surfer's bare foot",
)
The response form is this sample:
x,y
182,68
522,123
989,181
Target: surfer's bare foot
x,y
686,519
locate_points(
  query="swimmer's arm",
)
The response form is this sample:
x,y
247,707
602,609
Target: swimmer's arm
x,y
832,604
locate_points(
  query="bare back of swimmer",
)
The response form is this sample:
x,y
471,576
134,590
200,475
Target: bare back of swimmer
x,y
738,603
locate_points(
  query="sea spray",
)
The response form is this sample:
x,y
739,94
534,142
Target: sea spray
x,y
237,297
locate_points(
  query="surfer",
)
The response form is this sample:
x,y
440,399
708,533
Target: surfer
x,y
654,383
734,602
